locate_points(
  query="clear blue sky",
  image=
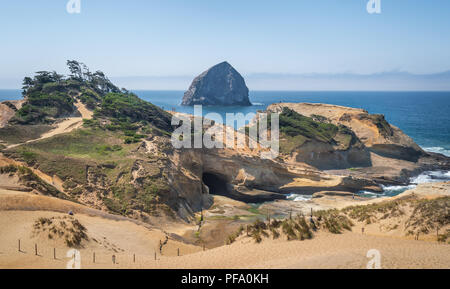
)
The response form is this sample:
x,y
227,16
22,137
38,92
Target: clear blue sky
x,y
184,37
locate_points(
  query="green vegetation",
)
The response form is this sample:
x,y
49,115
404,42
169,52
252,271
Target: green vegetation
x,y
372,212
254,210
22,133
296,130
298,228
28,178
101,161
95,159
427,215
91,144
133,117
44,108
333,221
50,95
128,112
293,124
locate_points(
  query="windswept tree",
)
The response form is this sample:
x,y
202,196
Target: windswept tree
x,y
76,71
27,84
102,83
57,77
43,77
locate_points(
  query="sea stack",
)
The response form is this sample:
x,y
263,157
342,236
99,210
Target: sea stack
x,y
219,85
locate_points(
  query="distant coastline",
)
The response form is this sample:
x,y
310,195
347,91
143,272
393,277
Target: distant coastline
x,y
382,81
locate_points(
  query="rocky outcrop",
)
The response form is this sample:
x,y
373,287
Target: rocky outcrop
x,y
219,85
372,129
316,141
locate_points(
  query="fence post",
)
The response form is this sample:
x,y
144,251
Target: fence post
x,y
178,251
114,259
35,249
155,256
93,257
134,258
19,246
54,253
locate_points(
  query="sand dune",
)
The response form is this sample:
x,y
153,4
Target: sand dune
x,y
348,250
107,237
134,244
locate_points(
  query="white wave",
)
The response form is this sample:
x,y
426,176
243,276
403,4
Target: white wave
x,y
299,198
425,177
369,193
439,150
398,188
258,103
431,177
390,191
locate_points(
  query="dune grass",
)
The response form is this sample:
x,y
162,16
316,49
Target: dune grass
x,y
66,228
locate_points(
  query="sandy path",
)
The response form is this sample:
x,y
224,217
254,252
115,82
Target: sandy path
x,y
64,126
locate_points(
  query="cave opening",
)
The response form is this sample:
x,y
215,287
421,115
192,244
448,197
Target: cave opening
x,y
217,184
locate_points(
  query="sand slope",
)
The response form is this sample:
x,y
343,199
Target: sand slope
x,y
128,239
348,250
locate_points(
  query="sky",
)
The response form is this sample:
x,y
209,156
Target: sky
x,y
181,38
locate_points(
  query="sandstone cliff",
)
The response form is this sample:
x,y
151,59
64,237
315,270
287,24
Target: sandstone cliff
x,y
372,129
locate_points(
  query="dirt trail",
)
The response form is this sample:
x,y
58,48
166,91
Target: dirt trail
x,y
64,126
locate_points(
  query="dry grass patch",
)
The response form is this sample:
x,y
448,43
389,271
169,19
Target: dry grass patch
x,y
66,228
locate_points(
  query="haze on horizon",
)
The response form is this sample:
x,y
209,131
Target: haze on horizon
x,y
276,45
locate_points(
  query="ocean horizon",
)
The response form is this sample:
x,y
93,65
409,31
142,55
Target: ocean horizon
x,y
422,115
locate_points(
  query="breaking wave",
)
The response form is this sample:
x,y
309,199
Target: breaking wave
x,y
425,177
439,150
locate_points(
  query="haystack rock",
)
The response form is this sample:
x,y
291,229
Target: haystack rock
x,y
219,85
